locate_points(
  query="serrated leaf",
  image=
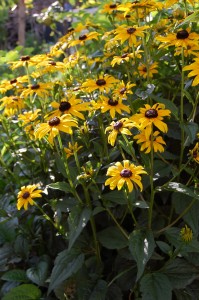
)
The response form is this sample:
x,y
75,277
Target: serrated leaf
x,y
115,196
112,238
156,286
191,130
180,188
23,292
62,186
39,273
164,247
180,273
77,221
141,246
67,263
99,291
15,275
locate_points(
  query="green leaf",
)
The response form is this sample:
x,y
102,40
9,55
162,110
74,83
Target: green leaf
x,y
23,292
62,186
156,286
181,201
141,245
164,247
112,238
15,275
115,196
77,221
39,273
99,291
67,263
178,187
180,273
192,18
191,130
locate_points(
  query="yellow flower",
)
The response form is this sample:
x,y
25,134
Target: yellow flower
x,y
40,89
194,67
122,89
70,105
121,126
152,115
125,173
195,153
186,234
109,8
11,105
125,57
71,149
112,105
49,66
137,5
129,33
104,83
26,196
157,142
29,116
191,49
83,38
182,38
144,72
15,83
27,60
53,126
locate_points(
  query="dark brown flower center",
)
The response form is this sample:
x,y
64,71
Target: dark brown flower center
x,y
131,30
182,34
15,98
126,173
127,16
13,81
124,55
144,69
118,125
82,37
70,29
112,102
122,91
64,105
151,113
113,6
52,63
26,195
54,121
35,87
101,82
25,58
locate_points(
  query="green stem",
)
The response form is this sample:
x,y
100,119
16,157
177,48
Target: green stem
x,y
67,170
182,112
151,183
178,218
117,223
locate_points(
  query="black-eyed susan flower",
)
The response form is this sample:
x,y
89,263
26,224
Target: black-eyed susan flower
x,y
54,126
149,70
13,84
69,105
112,105
72,148
109,8
122,126
186,234
40,89
156,142
28,60
103,83
125,57
26,196
181,38
122,90
191,49
194,68
29,116
125,173
195,153
152,115
129,33
83,38
137,5
11,105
